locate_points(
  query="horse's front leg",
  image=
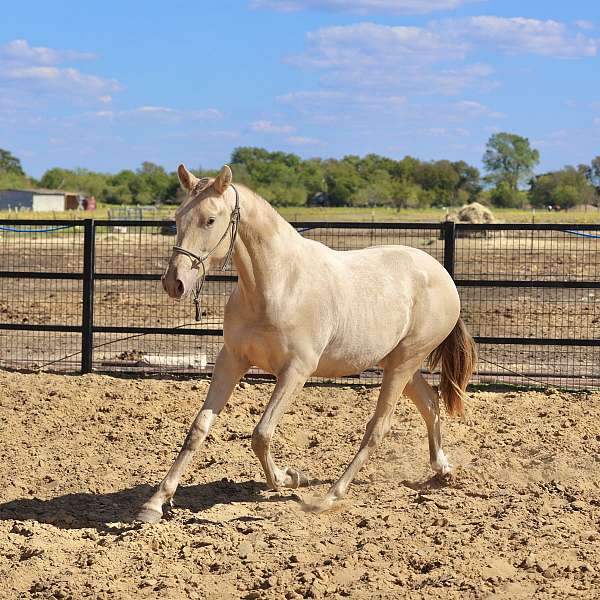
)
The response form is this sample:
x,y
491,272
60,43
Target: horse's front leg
x,y
227,372
289,381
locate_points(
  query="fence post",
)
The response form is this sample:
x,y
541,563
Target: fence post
x,y
449,229
87,322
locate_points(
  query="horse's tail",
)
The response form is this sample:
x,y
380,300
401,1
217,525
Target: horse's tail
x,y
457,358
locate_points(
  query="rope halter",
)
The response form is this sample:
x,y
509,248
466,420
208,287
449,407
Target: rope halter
x,y
198,261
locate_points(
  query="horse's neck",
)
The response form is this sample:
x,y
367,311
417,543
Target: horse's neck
x,y
265,241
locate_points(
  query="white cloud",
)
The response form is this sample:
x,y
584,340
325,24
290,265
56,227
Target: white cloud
x,y
308,101
57,79
300,140
268,127
397,60
176,114
587,25
370,45
162,110
518,35
554,138
26,69
477,109
20,51
104,114
445,132
362,7
163,113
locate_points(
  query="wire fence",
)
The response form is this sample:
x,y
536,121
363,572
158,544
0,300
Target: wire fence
x,y
86,295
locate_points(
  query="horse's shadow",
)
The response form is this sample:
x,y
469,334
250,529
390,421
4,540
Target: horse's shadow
x,y
81,509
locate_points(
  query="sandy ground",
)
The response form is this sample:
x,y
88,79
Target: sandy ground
x,y
519,519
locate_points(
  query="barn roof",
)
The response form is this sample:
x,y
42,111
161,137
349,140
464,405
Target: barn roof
x,y
41,191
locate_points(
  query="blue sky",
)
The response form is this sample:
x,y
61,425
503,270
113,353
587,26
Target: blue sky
x,y
108,85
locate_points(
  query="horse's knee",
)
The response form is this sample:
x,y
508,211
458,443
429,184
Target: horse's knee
x,y
380,429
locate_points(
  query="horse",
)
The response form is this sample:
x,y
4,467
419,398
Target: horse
x,y
302,309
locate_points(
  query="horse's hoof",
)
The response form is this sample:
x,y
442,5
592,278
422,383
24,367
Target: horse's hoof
x,y
441,465
317,506
149,515
299,479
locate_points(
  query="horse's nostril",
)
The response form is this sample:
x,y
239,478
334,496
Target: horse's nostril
x,y
179,287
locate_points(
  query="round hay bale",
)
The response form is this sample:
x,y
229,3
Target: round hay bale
x,y
475,213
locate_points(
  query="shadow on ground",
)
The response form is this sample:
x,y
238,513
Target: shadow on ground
x,y
80,510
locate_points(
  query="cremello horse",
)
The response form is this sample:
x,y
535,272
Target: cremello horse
x,y
302,309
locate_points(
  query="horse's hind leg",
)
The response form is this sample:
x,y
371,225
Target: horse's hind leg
x,y
394,381
427,401
289,382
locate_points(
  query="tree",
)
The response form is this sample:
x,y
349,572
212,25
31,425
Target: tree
x,y
10,164
440,178
592,172
510,159
469,179
504,196
565,188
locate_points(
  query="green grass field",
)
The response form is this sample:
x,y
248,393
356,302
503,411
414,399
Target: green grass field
x,y
379,214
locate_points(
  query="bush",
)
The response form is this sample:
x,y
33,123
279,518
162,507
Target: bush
x,y
566,188
504,196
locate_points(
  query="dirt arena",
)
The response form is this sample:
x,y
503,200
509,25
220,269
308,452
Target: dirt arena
x,y
78,454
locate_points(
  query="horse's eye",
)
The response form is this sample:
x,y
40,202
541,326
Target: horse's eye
x,y
210,221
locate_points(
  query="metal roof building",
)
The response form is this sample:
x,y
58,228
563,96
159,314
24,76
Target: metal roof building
x,y
40,199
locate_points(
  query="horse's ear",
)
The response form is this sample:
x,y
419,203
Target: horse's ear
x,y
188,180
223,179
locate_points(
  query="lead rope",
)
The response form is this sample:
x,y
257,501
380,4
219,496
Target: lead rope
x,y
198,294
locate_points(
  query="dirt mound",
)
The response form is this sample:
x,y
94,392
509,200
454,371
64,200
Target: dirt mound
x,y
473,213
78,455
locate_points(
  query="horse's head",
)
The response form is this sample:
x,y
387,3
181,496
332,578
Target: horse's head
x,y
202,222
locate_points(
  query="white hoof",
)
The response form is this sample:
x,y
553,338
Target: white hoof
x,y
441,465
148,515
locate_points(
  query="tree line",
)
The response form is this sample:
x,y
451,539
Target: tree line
x,y
285,179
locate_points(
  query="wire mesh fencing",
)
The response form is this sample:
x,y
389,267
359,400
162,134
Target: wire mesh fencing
x,y
87,295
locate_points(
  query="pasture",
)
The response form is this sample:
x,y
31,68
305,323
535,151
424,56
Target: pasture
x,y
519,519
347,213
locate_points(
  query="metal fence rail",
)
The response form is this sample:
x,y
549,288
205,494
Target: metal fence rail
x,y
86,295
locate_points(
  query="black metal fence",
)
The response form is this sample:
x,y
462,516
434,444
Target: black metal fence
x,y
86,295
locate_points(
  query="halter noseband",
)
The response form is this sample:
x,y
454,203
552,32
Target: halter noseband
x,y
198,261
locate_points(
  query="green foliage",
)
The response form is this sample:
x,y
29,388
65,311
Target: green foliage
x,y
509,159
10,164
504,196
285,179
565,189
592,172
13,180
150,184
373,180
